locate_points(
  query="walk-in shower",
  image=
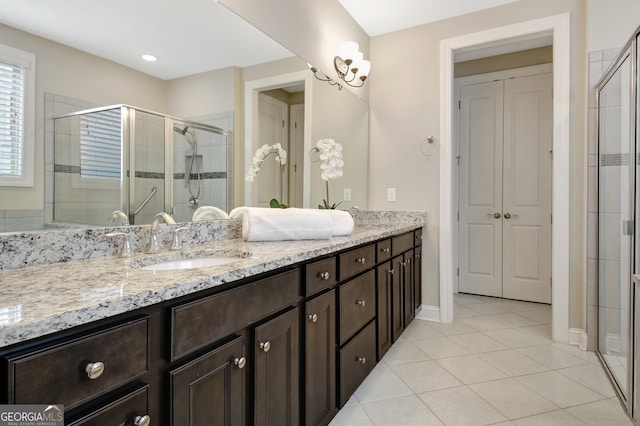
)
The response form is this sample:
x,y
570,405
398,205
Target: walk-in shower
x,y
139,161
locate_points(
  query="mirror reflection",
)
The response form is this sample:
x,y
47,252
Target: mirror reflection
x,y
183,141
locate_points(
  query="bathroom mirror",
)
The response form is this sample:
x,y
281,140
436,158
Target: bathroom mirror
x,y
67,83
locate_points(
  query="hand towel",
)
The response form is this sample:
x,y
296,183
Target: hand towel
x,y
341,222
208,213
267,224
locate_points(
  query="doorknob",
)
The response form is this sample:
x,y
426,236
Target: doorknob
x,y
509,215
496,215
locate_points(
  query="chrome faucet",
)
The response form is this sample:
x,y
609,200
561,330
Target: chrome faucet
x,y
119,214
152,245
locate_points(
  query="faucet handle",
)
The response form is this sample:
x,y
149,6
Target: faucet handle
x,y
125,246
175,238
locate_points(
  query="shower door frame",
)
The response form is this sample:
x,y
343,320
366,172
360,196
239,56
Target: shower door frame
x,y
630,50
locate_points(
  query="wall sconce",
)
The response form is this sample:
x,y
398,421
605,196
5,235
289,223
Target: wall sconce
x,y
350,65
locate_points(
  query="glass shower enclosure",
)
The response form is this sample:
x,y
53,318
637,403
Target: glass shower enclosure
x,y
618,212
141,162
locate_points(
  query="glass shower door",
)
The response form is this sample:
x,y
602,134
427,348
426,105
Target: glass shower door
x,y
615,222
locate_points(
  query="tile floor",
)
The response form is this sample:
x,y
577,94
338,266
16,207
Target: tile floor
x,y
495,365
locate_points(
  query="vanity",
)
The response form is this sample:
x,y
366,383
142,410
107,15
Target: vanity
x,y
282,336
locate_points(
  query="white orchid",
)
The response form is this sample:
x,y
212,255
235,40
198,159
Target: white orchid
x,y
261,154
331,166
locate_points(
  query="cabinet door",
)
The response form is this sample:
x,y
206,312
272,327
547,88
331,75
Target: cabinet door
x,y
320,357
208,390
384,278
409,288
417,277
397,297
277,370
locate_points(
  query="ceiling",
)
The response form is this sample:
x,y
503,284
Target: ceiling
x,y
193,36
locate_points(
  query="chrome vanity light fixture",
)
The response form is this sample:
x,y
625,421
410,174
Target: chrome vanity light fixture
x,y
350,65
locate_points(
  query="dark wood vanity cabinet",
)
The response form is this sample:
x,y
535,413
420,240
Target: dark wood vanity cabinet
x,y
287,347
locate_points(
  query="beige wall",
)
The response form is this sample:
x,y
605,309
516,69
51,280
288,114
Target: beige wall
x,y
524,58
65,71
610,23
186,96
405,110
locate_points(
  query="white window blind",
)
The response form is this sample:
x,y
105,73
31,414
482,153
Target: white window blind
x,y
100,141
12,102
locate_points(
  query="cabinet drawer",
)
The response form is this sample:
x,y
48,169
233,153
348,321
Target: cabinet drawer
x,y
320,275
123,411
418,237
383,250
204,321
357,359
402,243
355,261
357,304
60,373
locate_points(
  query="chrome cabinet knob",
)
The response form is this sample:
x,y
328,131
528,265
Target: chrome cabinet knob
x,y
361,360
142,420
409,260
361,260
94,370
313,317
240,362
390,271
265,346
323,275
361,303
386,250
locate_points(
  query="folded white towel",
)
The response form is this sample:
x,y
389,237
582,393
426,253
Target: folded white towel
x,y
209,213
237,213
266,224
341,222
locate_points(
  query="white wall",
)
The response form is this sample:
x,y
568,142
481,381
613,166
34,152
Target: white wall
x,y
611,22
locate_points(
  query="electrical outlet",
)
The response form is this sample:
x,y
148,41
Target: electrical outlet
x,y
346,196
391,194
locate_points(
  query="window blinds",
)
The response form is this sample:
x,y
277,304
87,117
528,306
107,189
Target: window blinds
x,y
100,144
12,106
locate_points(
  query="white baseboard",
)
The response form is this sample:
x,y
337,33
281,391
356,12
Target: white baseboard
x,y
429,313
578,337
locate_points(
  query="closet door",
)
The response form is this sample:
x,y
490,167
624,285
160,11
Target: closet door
x,y
480,199
526,190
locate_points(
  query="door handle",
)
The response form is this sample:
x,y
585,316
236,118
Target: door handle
x,y
496,215
509,215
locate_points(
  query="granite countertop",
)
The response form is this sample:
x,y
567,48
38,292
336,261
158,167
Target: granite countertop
x,y
40,300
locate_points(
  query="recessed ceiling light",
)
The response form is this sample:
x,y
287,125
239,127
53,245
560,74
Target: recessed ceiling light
x,y
149,58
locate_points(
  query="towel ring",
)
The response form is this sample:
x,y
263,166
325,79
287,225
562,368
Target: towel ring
x,y
314,150
429,147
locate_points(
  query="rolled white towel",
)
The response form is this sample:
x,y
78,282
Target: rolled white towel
x,y
267,224
209,213
341,222
238,212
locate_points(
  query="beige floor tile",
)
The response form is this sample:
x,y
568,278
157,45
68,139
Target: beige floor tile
x,y
403,352
420,329
483,323
605,412
559,389
451,329
554,418
511,319
542,330
461,311
551,357
488,308
520,306
466,299
382,383
477,343
514,338
591,376
540,316
425,376
471,369
403,411
513,363
513,399
460,406
440,347
351,415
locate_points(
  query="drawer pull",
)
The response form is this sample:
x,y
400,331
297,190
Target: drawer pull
x,y
361,360
409,260
361,303
94,370
142,421
386,250
313,317
265,346
240,362
390,271
361,260
323,275
418,256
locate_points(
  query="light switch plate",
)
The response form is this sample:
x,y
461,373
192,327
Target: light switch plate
x,y
391,194
346,196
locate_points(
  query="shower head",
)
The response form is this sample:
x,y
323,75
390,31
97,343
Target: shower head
x,y
181,131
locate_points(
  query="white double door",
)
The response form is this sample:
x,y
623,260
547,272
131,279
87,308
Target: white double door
x,y
504,229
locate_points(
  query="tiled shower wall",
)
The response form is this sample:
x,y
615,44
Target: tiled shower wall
x,y
599,62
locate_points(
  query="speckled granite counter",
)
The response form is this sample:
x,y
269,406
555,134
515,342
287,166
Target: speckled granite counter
x,y
44,299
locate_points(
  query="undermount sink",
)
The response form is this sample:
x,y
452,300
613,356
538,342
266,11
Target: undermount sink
x,y
188,260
